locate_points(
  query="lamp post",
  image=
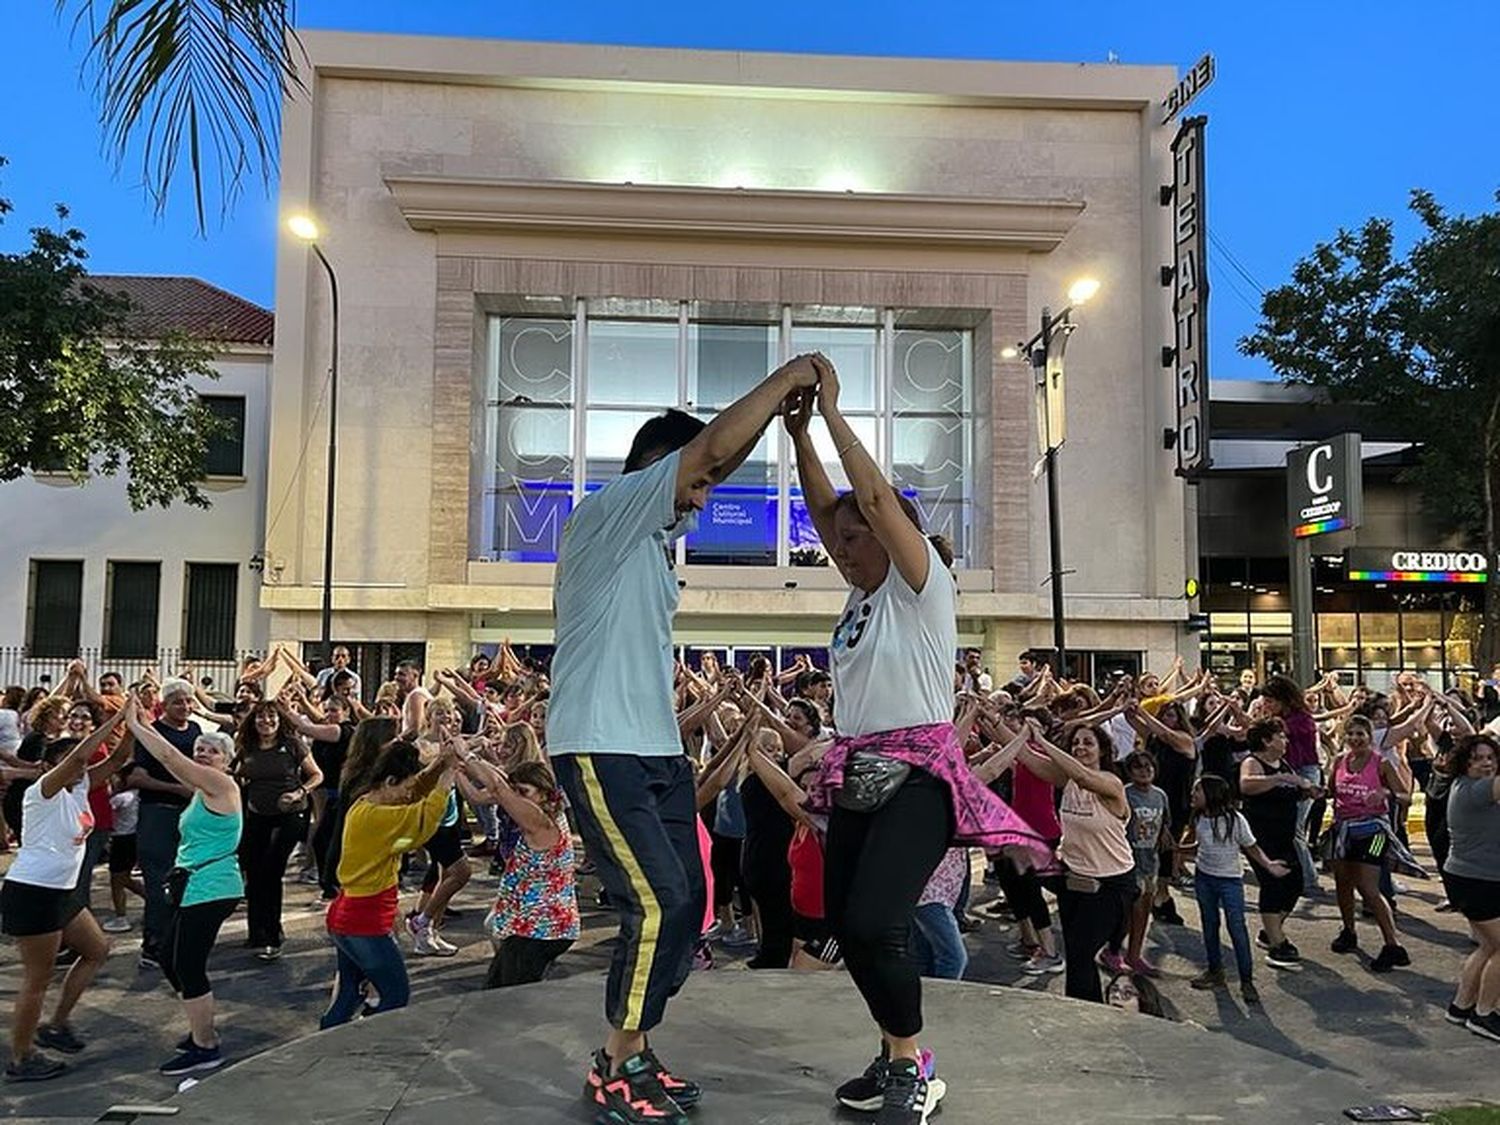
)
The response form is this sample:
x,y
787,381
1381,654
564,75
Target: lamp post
x,y
1045,352
306,229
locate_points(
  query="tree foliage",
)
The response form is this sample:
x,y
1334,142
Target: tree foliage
x,y
83,395
1417,335
195,80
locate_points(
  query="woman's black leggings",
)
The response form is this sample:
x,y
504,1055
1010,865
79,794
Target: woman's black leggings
x,y
266,844
190,936
1023,892
875,866
1090,920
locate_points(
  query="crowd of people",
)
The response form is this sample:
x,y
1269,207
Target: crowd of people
x,y
816,818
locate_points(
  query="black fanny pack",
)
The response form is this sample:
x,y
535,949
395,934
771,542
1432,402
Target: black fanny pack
x,y
870,780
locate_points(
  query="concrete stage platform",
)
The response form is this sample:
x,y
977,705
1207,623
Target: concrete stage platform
x,y
769,1048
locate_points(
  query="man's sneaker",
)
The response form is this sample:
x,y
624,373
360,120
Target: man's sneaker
x,y
867,1092
1284,956
1042,963
737,938
1346,942
1249,992
116,924
35,1067
149,960
429,943
1263,939
1460,1016
58,1038
1208,979
634,1096
909,1096
1389,957
268,953
1487,1025
194,1058
685,1093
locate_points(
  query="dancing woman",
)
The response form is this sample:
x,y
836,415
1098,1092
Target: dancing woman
x,y
896,778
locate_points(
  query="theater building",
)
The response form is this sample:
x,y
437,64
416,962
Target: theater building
x,y
540,245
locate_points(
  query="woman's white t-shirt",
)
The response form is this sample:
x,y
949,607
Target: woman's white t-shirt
x,y
53,832
893,654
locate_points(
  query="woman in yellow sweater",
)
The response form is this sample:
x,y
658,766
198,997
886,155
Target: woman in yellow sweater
x,y
400,811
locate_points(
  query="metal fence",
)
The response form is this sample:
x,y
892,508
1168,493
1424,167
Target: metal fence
x,y
19,667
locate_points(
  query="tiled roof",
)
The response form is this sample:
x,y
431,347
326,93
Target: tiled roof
x,y
191,306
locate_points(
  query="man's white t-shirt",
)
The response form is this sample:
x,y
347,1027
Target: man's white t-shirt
x,y
893,651
53,833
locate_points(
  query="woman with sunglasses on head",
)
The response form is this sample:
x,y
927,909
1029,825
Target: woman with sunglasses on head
x,y
899,788
208,849
42,905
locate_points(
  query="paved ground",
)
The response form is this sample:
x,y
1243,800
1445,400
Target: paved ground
x,y
1385,1034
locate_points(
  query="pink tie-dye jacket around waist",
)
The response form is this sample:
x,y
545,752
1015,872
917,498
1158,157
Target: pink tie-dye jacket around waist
x,y
980,818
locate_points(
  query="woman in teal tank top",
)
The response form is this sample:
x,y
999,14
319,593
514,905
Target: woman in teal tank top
x,y
210,837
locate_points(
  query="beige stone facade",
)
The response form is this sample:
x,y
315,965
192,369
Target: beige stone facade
x,y
454,178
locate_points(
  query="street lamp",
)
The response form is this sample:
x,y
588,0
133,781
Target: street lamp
x,y
1045,352
305,229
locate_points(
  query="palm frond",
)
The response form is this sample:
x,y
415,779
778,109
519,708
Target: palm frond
x,y
196,79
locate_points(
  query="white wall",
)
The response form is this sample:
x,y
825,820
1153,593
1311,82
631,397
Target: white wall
x,y
52,517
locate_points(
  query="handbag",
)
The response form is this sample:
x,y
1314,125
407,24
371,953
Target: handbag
x,y
175,885
870,780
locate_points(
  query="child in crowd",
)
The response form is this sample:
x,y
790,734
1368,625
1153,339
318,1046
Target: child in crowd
x,y
1222,833
1150,833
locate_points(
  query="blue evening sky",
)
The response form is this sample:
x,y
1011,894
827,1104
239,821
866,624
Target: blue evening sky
x,y
1323,113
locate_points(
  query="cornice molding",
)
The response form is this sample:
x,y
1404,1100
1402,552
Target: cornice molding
x,y
441,204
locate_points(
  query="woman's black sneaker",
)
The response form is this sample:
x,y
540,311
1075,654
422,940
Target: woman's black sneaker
x,y
1167,913
1284,956
191,1060
58,1038
35,1067
867,1092
1346,942
1390,957
1460,1016
634,1096
909,1097
1486,1025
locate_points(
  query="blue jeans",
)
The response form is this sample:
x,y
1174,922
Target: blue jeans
x,y
1304,809
489,825
374,959
1216,892
156,838
939,946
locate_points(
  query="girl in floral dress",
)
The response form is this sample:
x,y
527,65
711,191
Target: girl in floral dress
x,y
535,918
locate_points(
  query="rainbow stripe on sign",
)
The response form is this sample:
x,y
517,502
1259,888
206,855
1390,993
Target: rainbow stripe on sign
x,y
1318,527
1417,576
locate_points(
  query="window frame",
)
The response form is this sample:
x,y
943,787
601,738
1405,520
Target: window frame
x,y
111,642
238,418
189,650
33,590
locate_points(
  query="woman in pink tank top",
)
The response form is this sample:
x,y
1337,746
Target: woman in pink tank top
x,y
1363,784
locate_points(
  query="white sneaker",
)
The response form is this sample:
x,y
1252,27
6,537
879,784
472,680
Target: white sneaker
x,y
429,943
119,924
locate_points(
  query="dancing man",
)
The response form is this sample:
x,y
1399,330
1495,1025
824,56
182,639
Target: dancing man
x,y
899,788
612,734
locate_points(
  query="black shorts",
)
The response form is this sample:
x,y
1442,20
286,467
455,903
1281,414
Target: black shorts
x,y
122,854
30,911
1279,895
446,846
1372,849
1478,900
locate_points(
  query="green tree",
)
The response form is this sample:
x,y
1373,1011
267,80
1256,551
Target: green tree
x,y
195,80
1417,335
84,396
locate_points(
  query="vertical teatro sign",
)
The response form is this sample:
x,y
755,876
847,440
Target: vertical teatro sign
x,y
1190,298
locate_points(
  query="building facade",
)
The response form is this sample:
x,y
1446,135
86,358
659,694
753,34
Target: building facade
x,y
1397,593
158,588
540,245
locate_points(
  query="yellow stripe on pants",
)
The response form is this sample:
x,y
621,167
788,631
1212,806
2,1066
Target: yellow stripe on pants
x,y
645,949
